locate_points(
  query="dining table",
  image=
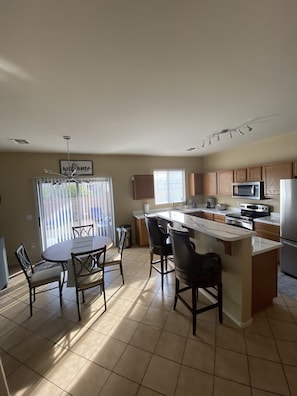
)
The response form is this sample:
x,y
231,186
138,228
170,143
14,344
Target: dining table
x,y
61,251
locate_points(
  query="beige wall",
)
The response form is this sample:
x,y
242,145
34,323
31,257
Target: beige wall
x,y
17,171
268,151
278,149
17,193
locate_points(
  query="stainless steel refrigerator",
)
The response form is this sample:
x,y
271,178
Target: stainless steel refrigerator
x,y
288,226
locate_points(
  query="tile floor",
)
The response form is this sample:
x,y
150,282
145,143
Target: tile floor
x,y
140,346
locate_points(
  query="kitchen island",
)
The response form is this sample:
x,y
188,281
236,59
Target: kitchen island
x,y
249,263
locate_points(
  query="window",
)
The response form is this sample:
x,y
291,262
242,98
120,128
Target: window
x,y
65,203
169,186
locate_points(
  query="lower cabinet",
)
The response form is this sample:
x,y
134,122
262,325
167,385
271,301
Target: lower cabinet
x,y
141,232
268,231
219,217
264,280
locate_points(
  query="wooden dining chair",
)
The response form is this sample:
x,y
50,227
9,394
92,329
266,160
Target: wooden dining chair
x,y
84,230
40,274
88,269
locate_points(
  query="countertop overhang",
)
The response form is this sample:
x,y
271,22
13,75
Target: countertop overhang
x,y
221,231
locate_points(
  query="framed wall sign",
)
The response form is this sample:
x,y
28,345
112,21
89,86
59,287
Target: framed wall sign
x,y
83,167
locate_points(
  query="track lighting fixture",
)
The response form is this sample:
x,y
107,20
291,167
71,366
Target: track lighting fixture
x,y
242,129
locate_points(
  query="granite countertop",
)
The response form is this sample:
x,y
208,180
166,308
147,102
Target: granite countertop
x,y
221,231
262,245
139,214
273,219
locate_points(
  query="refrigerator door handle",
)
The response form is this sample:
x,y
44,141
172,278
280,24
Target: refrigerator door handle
x,y
286,242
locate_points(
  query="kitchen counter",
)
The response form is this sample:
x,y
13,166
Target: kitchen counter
x,y
273,219
221,231
263,245
139,214
249,263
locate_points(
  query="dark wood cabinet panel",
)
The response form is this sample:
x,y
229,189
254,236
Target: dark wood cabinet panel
x,y
272,175
210,183
195,184
143,186
224,181
219,217
264,280
141,232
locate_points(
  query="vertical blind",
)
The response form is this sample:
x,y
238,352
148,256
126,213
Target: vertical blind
x,y
65,203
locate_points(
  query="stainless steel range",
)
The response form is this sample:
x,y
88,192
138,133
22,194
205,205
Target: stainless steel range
x,y
248,212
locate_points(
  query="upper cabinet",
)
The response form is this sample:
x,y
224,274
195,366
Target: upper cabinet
x,y
254,173
143,186
210,183
224,181
272,175
240,175
195,184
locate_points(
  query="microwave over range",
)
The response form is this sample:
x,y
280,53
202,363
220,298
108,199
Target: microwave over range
x,y
250,190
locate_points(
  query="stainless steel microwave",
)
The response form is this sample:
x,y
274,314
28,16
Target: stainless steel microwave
x,y
249,190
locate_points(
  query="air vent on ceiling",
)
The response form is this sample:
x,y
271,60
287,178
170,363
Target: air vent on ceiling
x,y
20,141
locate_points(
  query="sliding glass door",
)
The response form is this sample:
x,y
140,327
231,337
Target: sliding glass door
x,y
65,203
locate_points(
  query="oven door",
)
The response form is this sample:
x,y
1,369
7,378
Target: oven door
x,y
239,222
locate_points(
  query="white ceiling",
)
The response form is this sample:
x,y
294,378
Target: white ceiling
x,y
151,77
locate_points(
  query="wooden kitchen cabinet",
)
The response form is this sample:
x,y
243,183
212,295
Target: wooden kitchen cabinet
x,y
268,231
224,181
240,175
143,187
264,280
219,217
272,175
210,183
208,216
254,173
202,215
141,232
195,184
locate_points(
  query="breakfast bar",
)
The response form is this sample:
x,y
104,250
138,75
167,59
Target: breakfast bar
x,y
249,263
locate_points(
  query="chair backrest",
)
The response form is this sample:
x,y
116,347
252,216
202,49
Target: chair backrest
x,y
156,234
191,266
183,250
86,263
81,231
122,241
24,260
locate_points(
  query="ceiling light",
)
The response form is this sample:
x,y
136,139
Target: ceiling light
x,y
242,129
71,169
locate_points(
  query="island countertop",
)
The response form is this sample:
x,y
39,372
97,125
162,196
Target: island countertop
x,y
245,257
221,231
